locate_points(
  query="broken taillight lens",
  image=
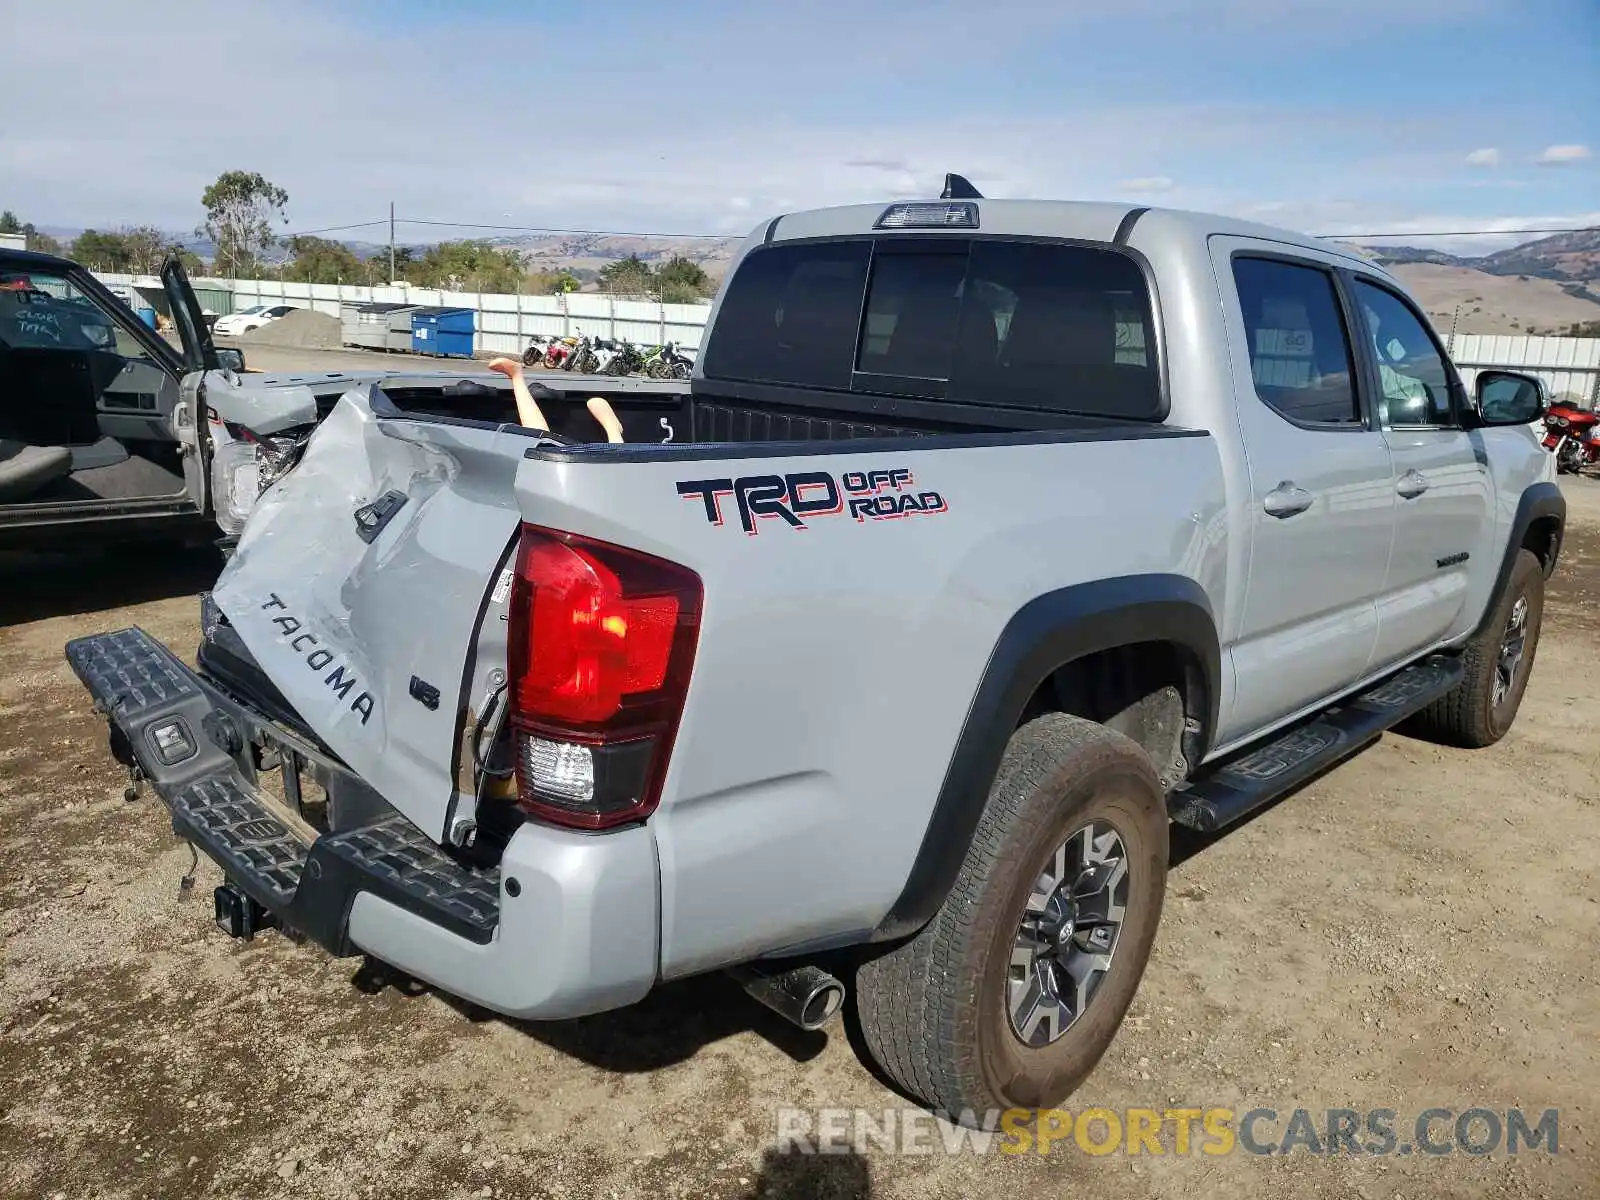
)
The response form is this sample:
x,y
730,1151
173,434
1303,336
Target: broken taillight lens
x,y
600,648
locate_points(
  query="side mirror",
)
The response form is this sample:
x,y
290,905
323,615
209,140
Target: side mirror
x,y
230,359
1510,398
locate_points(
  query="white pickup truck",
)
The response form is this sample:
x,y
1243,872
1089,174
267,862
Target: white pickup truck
x,y
991,538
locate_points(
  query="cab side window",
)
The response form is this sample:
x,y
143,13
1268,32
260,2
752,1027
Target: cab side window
x,y
1414,383
1300,357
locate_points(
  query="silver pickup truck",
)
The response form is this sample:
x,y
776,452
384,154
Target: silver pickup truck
x,y
991,538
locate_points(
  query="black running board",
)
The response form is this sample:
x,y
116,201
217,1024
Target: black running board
x,y
1224,794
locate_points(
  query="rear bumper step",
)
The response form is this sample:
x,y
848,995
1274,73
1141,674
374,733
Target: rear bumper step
x,y
1220,796
169,720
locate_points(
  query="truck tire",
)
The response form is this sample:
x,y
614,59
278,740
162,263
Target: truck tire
x,y
1480,709
963,1016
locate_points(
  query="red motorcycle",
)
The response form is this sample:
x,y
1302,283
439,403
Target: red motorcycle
x,y
1570,434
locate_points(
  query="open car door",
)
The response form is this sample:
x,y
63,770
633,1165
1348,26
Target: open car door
x,y
199,356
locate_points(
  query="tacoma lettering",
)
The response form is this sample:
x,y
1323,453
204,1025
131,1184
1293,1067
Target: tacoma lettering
x,y
341,681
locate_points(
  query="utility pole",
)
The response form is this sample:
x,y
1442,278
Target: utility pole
x,y
391,241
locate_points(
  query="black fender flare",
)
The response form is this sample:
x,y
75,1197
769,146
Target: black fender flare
x,y
1049,632
1539,501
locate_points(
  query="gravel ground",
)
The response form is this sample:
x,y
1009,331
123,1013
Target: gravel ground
x,y
269,359
1415,929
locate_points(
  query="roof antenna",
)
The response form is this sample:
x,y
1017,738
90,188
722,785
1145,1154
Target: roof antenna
x,y
956,187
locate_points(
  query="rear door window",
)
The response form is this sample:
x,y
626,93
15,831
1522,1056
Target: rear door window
x,y
1300,357
1067,328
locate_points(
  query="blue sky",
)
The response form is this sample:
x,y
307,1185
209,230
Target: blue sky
x,y
1347,116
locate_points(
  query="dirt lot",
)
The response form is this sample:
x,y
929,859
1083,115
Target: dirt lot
x,y
1416,929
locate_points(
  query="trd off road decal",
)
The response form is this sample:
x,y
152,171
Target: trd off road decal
x,y
882,495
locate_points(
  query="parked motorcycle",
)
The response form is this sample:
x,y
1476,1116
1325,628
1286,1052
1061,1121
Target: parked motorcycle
x,y
1570,434
538,347
625,360
557,352
666,362
582,358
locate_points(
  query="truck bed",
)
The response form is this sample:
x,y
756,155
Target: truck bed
x,y
673,413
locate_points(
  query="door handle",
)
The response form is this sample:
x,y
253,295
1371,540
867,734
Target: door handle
x,y
1286,500
1411,485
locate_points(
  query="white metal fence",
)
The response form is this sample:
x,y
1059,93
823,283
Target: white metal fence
x,y
504,322
1569,366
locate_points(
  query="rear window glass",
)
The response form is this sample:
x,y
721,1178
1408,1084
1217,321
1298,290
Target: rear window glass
x,y
791,314
1060,327
1022,324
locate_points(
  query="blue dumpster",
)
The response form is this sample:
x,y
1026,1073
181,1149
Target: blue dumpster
x,y
148,316
444,331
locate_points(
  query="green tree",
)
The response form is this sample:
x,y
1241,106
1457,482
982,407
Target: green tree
x,y
34,240
242,208
102,251
43,242
469,266
193,264
550,283
317,260
374,269
685,277
629,276
146,247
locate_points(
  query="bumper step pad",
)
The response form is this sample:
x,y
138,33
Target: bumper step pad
x,y
140,685
1221,796
128,673
248,842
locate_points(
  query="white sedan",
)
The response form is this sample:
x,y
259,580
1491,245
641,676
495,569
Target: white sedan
x,y
250,318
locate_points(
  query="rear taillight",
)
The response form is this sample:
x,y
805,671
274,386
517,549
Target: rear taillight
x,y
600,647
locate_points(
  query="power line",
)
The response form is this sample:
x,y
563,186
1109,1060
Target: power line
x,y
337,228
551,229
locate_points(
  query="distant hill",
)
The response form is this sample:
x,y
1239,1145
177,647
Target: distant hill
x,y
1542,286
1472,301
1563,257
590,252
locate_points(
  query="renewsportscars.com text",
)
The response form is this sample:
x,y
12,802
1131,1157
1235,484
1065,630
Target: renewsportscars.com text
x,y
1181,1132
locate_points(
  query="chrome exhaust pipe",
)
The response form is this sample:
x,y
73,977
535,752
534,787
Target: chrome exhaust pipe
x,y
806,996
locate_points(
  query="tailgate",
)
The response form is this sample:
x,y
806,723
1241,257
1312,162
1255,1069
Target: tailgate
x,y
360,580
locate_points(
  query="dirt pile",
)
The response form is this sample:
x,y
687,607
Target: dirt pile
x,y
303,329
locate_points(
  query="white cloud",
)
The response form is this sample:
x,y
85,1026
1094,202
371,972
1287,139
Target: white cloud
x,y
1487,157
1555,156
1147,183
